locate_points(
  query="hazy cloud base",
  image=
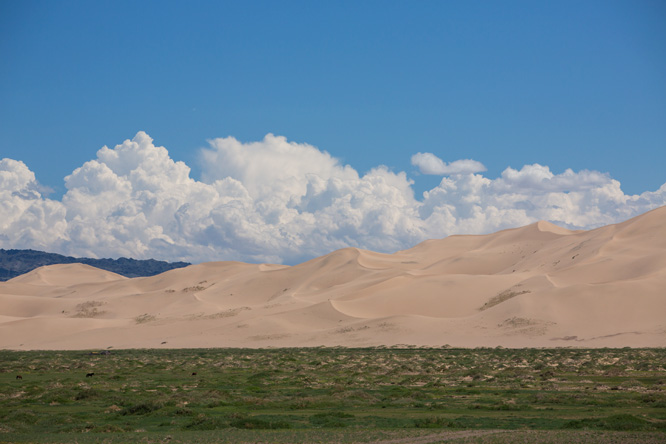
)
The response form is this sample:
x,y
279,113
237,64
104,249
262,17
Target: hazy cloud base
x,y
285,202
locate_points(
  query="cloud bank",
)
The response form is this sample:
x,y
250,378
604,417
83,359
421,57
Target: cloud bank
x,y
284,202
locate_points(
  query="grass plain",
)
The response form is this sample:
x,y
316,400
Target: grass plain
x,y
308,395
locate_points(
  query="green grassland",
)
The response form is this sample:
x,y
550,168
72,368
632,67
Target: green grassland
x,y
388,395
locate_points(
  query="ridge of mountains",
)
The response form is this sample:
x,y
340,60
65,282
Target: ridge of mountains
x,y
14,263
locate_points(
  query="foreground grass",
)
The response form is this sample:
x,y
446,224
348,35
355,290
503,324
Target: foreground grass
x,y
333,395
402,436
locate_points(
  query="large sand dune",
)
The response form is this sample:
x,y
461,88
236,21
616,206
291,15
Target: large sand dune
x,y
537,286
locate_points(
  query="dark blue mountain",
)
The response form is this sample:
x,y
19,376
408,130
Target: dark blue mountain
x,y
17,262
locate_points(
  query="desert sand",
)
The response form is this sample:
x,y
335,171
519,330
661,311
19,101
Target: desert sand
x,y
535,286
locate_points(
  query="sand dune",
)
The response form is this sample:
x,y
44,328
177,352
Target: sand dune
x,y
535,286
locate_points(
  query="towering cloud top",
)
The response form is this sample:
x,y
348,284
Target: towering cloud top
x,y
279,201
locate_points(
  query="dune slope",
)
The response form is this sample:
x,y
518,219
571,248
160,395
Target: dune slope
x,y
535,286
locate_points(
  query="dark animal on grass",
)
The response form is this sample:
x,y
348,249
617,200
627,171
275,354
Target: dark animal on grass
x,y
89,375
19,377
194,374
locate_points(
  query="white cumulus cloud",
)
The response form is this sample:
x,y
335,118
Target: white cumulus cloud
x,y
428,163
279,201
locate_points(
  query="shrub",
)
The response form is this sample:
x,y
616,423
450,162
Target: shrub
x,y
140,409
258,423
432,422
203,422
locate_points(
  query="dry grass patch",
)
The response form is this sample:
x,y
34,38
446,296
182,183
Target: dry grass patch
x,y
502,297
144,318
88,309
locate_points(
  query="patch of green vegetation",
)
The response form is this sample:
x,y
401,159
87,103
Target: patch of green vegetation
x,y
623,422
299,393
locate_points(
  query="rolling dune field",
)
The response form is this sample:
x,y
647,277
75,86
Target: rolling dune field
x,y
535,286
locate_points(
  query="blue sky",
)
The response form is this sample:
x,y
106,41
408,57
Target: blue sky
x,y
562,84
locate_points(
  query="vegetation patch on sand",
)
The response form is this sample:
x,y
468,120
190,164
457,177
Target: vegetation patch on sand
x,y
88,309
144,318
502,297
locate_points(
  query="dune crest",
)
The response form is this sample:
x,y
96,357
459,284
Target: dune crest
x,y
549,227
62,274
539,286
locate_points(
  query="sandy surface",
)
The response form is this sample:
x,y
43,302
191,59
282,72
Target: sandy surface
x,y
535,286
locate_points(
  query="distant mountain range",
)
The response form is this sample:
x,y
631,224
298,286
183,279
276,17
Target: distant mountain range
x,y
17,262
